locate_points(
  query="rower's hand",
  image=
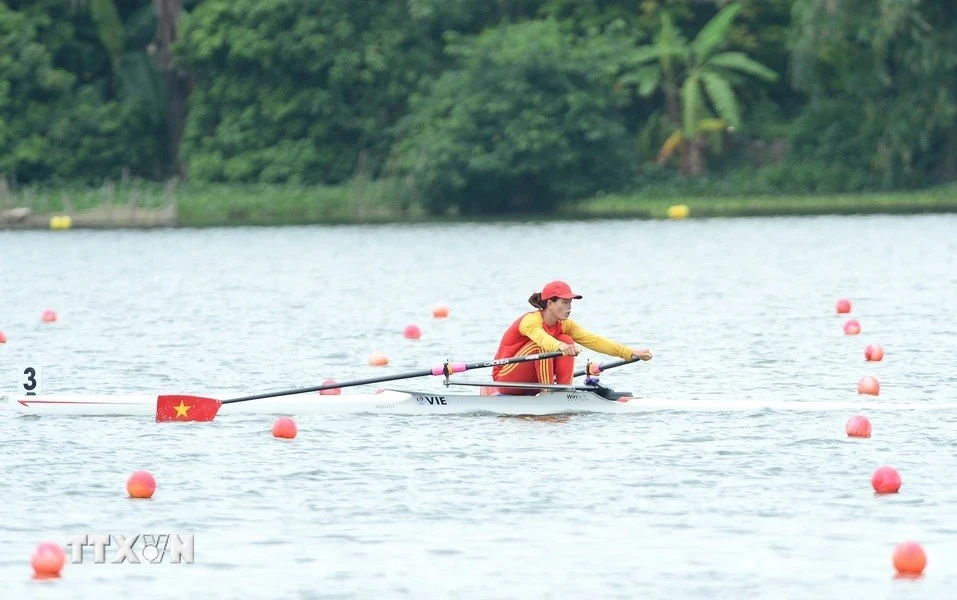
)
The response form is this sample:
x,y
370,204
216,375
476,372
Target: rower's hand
x,y
642,354
570,349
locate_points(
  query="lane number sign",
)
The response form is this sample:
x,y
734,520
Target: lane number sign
x,y
30,380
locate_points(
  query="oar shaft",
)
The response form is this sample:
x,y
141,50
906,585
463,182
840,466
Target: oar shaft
x,y
604,367
444,369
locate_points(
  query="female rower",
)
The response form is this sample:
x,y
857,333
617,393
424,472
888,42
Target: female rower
x,y
548,329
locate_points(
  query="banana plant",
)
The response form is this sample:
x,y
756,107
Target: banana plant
x,y
697,81
137,77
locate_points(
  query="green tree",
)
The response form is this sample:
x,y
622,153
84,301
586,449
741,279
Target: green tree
x,y
284,94
761,31
135,73
66,111
697,81
881,78
32,95
526,117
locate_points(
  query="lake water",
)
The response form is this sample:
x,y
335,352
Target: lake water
x,y
668,504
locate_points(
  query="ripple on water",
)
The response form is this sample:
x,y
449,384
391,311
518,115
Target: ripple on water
x,y
732,504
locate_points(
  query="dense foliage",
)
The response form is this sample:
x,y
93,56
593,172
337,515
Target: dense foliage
x,y
483,105
529,116
71,106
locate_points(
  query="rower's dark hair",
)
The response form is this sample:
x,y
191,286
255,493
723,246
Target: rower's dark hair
x,y
536,301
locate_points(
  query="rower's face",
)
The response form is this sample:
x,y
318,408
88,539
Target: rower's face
x,y
561,308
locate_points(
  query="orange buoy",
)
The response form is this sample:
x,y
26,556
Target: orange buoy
x,y
440,311
378,359
48,559
869,385
3,338
141,484
331,391
886,480
48,316
412,332
843,306
873,352
852,327
858,426
909,559
284,427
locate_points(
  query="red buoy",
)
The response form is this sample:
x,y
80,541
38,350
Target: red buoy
x,y
869,385
330,391
909,559
284,427
886,480
48,560
852,327
141,484
858,426
378,359
873,352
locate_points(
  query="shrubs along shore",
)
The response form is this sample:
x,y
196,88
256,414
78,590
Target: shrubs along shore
x,y
148,206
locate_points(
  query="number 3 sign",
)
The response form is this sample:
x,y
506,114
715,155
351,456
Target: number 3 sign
x,y
30,381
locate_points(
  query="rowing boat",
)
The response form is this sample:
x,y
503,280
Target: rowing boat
x,y
547,399
399,402
383,402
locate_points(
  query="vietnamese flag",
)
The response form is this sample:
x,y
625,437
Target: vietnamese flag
x,y
185,408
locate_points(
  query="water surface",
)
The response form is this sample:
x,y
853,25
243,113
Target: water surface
x,y
738,504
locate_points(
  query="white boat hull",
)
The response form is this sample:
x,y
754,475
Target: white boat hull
x,y
428,403
386,402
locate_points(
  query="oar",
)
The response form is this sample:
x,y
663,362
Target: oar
x,y
197,408
601,367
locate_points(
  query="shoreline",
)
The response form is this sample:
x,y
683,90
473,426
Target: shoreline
x,y
238,206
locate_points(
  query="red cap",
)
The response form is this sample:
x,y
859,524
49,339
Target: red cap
x,y
558,289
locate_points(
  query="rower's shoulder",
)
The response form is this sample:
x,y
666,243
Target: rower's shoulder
x,y
530,319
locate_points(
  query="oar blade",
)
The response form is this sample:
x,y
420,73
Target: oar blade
x,y
179,407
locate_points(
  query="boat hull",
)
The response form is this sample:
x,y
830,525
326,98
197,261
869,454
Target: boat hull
x,y
386,402
397,402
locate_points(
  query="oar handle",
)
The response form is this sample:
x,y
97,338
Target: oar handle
x,y
600,367
446,369
459,367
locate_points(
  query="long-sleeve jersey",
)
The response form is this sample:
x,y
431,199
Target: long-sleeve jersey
x,y
531,327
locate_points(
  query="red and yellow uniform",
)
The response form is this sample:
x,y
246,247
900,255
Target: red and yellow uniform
x,y
530,335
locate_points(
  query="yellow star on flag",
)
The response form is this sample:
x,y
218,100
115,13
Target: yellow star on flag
x,y
182,409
